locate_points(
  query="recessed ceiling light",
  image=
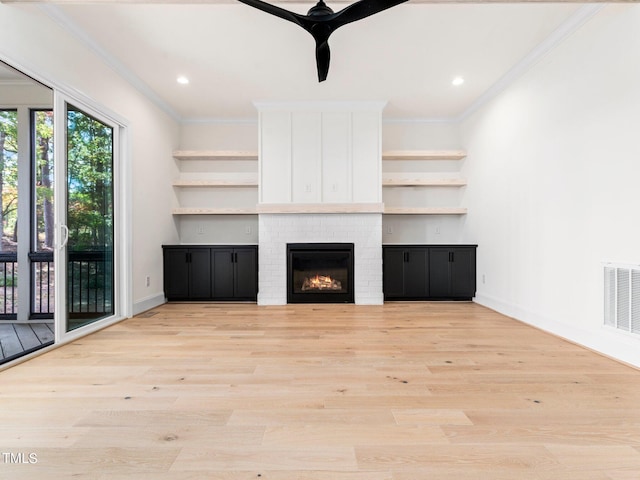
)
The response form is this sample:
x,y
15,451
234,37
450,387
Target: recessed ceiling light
x,y
457,81
182,80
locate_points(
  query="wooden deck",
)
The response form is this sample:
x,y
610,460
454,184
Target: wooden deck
x,y
17,338
403,391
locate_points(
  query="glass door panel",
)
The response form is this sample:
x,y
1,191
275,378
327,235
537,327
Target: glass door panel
x,y
8,213
26,137
90,219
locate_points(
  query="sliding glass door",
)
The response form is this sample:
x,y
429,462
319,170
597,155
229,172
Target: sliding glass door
x,y
63,250
86,218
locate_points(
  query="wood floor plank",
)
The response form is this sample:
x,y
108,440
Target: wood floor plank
x,y
426,416
401,391
345,435
520,459
260,459
258,475
87,462
172,435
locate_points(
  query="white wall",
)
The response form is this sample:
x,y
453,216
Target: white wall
x,y
220,136
29,39
553,167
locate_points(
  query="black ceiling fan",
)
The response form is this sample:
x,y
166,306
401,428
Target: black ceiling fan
x,y
320,21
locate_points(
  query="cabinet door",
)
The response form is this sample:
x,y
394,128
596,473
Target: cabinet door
x,y
176,273
222,272
245,273
393,272
200,273
439,272
415,273
463,272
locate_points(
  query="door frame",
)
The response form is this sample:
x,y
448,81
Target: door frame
x,y
121,208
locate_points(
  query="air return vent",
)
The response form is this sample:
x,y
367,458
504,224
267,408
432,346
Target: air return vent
x,y
622,297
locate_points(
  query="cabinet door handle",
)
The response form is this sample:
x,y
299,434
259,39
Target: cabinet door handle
x,y
451,256
235,257
406,256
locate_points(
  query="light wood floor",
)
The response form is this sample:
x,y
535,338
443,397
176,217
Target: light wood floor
x,y
340,392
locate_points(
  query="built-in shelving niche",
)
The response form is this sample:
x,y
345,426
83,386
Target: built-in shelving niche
x,y
221,185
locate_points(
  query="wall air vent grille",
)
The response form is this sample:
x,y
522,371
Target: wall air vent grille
x,y
622,297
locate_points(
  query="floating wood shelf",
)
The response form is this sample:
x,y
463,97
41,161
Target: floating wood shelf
x,y
424,182
424,155
425,211
215,183
321,208
214,211
215,155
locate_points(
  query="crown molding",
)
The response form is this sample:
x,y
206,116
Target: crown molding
x,y
420,120
573,23
80,34
220,121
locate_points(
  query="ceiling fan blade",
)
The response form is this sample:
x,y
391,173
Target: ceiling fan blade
x,y
323,56
277,11
360,10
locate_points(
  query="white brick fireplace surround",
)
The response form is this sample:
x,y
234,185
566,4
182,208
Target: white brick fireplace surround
x,y
363,230
320,170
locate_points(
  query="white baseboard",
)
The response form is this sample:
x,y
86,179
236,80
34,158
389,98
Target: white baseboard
x,y
148,303
617,345
369,299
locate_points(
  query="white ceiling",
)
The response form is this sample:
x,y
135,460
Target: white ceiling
x,y
234,54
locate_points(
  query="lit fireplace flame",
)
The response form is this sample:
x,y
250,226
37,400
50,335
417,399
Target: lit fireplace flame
x,y
321,282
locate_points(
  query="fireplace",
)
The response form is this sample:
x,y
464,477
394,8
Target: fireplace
x,y
320,273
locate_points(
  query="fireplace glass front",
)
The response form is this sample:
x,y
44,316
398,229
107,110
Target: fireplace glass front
x,y
320,273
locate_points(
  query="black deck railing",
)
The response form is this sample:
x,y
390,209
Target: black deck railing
x,y
42,278
8,285
90,280
89,274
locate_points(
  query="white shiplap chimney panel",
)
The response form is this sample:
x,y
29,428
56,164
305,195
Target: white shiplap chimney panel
x,y
306,148
275,157
320,152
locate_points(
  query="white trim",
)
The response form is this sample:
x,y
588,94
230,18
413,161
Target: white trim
x,y
65,89
124,203
59,208
219,121
417,120
320,106
604,340
148,303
